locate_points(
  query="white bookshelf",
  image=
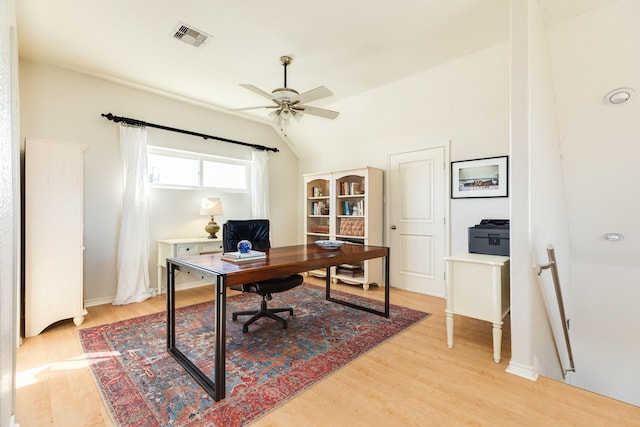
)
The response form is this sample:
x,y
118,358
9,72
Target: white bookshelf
x,y
346,205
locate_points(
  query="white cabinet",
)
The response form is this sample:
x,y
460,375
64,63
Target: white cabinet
x,y
478,287
346,205
178,248
53,234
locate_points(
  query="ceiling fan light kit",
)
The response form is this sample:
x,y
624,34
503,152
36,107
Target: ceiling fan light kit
x,y
289,102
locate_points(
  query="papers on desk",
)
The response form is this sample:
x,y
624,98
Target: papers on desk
x,y
238,257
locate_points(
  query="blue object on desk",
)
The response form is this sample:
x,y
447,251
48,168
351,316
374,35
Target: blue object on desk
x,y
244,246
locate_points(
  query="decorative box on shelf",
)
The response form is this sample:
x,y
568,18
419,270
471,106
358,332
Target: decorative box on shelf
x,y
352,227
320,228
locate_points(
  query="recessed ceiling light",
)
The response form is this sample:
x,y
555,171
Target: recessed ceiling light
x,y
613,237
619,96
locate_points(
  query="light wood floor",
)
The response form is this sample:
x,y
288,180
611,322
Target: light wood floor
x,y
411,380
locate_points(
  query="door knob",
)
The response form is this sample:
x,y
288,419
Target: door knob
x,y
393,227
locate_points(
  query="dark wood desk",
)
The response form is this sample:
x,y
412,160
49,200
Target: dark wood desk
x,y
279,262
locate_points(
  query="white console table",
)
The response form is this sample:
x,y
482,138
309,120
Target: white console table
x,y
173,248
478,287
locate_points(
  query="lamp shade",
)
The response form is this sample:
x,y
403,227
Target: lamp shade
x,y
211,206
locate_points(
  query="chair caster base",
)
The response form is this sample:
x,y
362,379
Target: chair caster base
x,y
263,312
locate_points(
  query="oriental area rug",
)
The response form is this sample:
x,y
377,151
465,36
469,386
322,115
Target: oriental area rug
x,y
142,385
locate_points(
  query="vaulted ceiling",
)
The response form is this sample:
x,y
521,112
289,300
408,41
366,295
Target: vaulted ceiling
x,y
351,47
333,43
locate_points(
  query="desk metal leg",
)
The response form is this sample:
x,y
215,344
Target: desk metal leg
x,y
216,391
219,375
171,306
386,285
328,284
384,313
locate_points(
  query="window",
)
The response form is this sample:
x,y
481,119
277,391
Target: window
x,y
170,170
225,175
182,169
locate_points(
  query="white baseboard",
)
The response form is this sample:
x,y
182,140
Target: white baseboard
x,y
525,371
179,287
99,301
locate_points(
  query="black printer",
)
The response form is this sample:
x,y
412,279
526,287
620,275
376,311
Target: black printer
x,y
490,237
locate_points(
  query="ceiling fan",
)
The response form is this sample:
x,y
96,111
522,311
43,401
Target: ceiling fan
x,y
289,102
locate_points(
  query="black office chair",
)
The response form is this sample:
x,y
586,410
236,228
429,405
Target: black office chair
x,y
257,232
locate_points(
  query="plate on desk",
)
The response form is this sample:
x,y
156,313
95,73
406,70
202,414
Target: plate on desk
x,y
329,244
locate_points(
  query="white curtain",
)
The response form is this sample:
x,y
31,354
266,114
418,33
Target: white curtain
x,y
133,247
259,185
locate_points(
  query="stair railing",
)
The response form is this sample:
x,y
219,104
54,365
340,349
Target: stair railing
x,y
552,265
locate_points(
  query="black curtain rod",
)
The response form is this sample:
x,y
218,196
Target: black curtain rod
x,y
134,122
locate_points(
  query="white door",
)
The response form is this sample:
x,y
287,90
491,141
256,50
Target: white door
x,y
416,200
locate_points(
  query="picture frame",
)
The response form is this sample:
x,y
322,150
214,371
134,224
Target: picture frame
x,y
480,178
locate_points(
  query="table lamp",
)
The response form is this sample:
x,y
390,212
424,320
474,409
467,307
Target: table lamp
x,y
211,206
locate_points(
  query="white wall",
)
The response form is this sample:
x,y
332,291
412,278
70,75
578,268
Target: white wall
x,y
550,224
62,105
591,54
464,101
522,361
9,211
605,330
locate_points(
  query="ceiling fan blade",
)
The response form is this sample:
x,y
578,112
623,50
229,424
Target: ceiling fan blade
x,y
253,108
257,90
313,94
327,114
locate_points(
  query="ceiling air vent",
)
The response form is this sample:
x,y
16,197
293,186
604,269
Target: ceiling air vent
x,y
189,35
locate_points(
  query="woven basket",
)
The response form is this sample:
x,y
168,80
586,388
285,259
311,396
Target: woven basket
x,y
352,227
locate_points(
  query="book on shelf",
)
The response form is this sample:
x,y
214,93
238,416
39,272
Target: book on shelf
x,y
347,208
350,273
319,208
238,256
350,270
316,192
350,188
353,209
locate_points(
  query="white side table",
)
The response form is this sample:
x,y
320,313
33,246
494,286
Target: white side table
x,y
478,287
173,248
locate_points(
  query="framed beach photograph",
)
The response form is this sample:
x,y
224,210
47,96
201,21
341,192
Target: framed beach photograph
x,y
487,177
